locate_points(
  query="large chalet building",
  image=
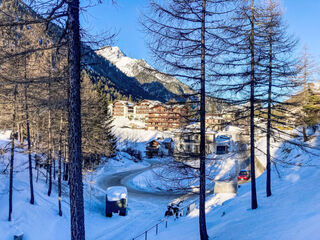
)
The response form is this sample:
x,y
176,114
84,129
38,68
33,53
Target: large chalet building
x,y
167,117
156,115
162,117
120,108
143,108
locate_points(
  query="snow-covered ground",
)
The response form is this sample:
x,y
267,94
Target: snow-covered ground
x,y
218,167
134,138
292,212
41,220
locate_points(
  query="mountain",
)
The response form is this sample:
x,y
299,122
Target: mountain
x,y
158,85
122,76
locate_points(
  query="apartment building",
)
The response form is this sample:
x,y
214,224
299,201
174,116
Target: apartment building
x,y
187,140
120,108
166,117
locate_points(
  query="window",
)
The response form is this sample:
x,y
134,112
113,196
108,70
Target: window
x,y
197,149
188,148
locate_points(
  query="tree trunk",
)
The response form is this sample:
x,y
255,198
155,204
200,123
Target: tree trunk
x,y
29,147
12,152
75,154
20,133
66,164
254,203
59,167
304,132
11,175
305,94
36,157
54,160
268,185
50,152
202,208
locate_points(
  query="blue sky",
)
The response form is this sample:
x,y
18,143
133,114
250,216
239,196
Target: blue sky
x,y
303,17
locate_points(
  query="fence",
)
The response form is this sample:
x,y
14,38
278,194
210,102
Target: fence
x,y
155,229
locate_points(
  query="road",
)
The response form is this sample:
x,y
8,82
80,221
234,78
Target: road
x,y
123,179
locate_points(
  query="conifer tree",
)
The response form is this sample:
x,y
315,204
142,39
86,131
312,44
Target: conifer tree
x,y
280,68
184,36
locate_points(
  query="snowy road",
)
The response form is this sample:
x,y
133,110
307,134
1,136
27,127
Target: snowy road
x,y
124,178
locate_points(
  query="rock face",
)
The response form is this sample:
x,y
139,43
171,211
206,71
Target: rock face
x,y
160,86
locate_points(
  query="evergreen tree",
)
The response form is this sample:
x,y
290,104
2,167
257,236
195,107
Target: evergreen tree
x,y
280,68
98,140
312,109
185,37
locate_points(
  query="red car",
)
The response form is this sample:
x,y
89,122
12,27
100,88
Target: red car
x,y
244,175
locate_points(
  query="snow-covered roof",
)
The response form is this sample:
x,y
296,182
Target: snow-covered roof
x,y
193,128
116,193
214,117
231,128
167,140
223,140
120,101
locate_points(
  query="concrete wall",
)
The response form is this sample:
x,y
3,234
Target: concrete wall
x,y
226,186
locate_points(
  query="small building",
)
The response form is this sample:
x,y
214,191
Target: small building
x,y
167,143
215,122
187,140
152,148
222,144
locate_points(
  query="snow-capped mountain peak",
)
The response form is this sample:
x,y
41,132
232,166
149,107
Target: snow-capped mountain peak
x,y
152,80
119,59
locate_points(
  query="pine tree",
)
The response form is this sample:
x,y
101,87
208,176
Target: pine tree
x,y
185,37
280,69
75,153
241,70
98,140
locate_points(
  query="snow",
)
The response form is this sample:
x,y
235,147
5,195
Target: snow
x,y
194,127
41,220
117,58
135,139
130,66
223,139
116,193
292,212
219,168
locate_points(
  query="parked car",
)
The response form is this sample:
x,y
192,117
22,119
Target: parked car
x,y
116,201
244,175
